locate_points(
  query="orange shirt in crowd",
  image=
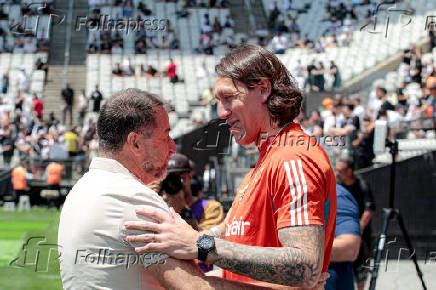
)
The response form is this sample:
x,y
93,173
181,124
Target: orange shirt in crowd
x,y
19,178
54,173
293,186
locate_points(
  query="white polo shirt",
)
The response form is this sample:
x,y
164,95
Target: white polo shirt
x,y
93,251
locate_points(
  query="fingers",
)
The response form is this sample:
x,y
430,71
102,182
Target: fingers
x,y
151,248
143,226
153,214
145,238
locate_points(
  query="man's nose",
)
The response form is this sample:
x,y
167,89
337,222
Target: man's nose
x,y
223,113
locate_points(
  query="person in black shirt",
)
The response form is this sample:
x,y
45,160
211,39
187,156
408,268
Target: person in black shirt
x,y
67,101
117,71
363,195
8,147
363,144
97,97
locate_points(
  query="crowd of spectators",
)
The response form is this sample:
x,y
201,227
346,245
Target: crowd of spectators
x,y
282,21
18,33
111,41
26,135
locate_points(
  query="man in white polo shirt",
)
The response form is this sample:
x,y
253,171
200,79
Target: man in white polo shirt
x,y
135,147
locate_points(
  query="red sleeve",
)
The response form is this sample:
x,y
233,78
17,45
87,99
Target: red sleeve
x,y
298,192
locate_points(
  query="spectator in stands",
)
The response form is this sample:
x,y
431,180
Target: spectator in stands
x,y
94,47
67,100
205,44
346,243
363,144
29,45
52,119
366,203
3,15
216,26
118,71
385,104
37,106
281,27
293,27
171,72
42,45
150,71
83,107
201,71
334,71
106,44
18,45
432,35
228,22
180,165
71,140
8,147
96,97
19,100
140,47
211,102
279,43
143,8
262,35
116,48
430,104
41,65
274,13
57,149
23,81
318,77
5,82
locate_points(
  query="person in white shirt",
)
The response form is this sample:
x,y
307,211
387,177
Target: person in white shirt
x,y
29,45
116,49
135,147
23,80
279,43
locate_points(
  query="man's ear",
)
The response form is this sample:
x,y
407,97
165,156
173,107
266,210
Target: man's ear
x,y
265,89
133,143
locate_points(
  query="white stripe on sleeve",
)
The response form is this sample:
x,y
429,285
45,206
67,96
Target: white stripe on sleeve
x,y
291,185
303,181
300,194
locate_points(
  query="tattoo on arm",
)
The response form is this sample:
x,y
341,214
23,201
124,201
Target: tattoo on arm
x,y
297,263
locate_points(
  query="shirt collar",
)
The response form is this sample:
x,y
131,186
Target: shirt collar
x,y
108,164
290,127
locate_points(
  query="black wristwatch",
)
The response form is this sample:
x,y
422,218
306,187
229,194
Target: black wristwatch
x,y
205,245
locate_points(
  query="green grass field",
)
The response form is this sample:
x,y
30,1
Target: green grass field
x,y
28,240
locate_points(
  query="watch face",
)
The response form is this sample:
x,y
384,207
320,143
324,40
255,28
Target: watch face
x,y
206,242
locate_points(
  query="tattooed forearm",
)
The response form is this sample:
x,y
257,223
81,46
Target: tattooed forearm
x,y
297,263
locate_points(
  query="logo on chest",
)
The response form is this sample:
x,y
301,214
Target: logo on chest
x,y
237,227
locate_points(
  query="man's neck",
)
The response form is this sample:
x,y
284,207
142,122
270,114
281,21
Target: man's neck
x,y
130,165
268,130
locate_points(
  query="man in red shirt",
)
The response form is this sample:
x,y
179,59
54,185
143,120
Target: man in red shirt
x,y
37,106
171,69
281,226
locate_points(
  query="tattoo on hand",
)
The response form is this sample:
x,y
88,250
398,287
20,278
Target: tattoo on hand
x,y
297,263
